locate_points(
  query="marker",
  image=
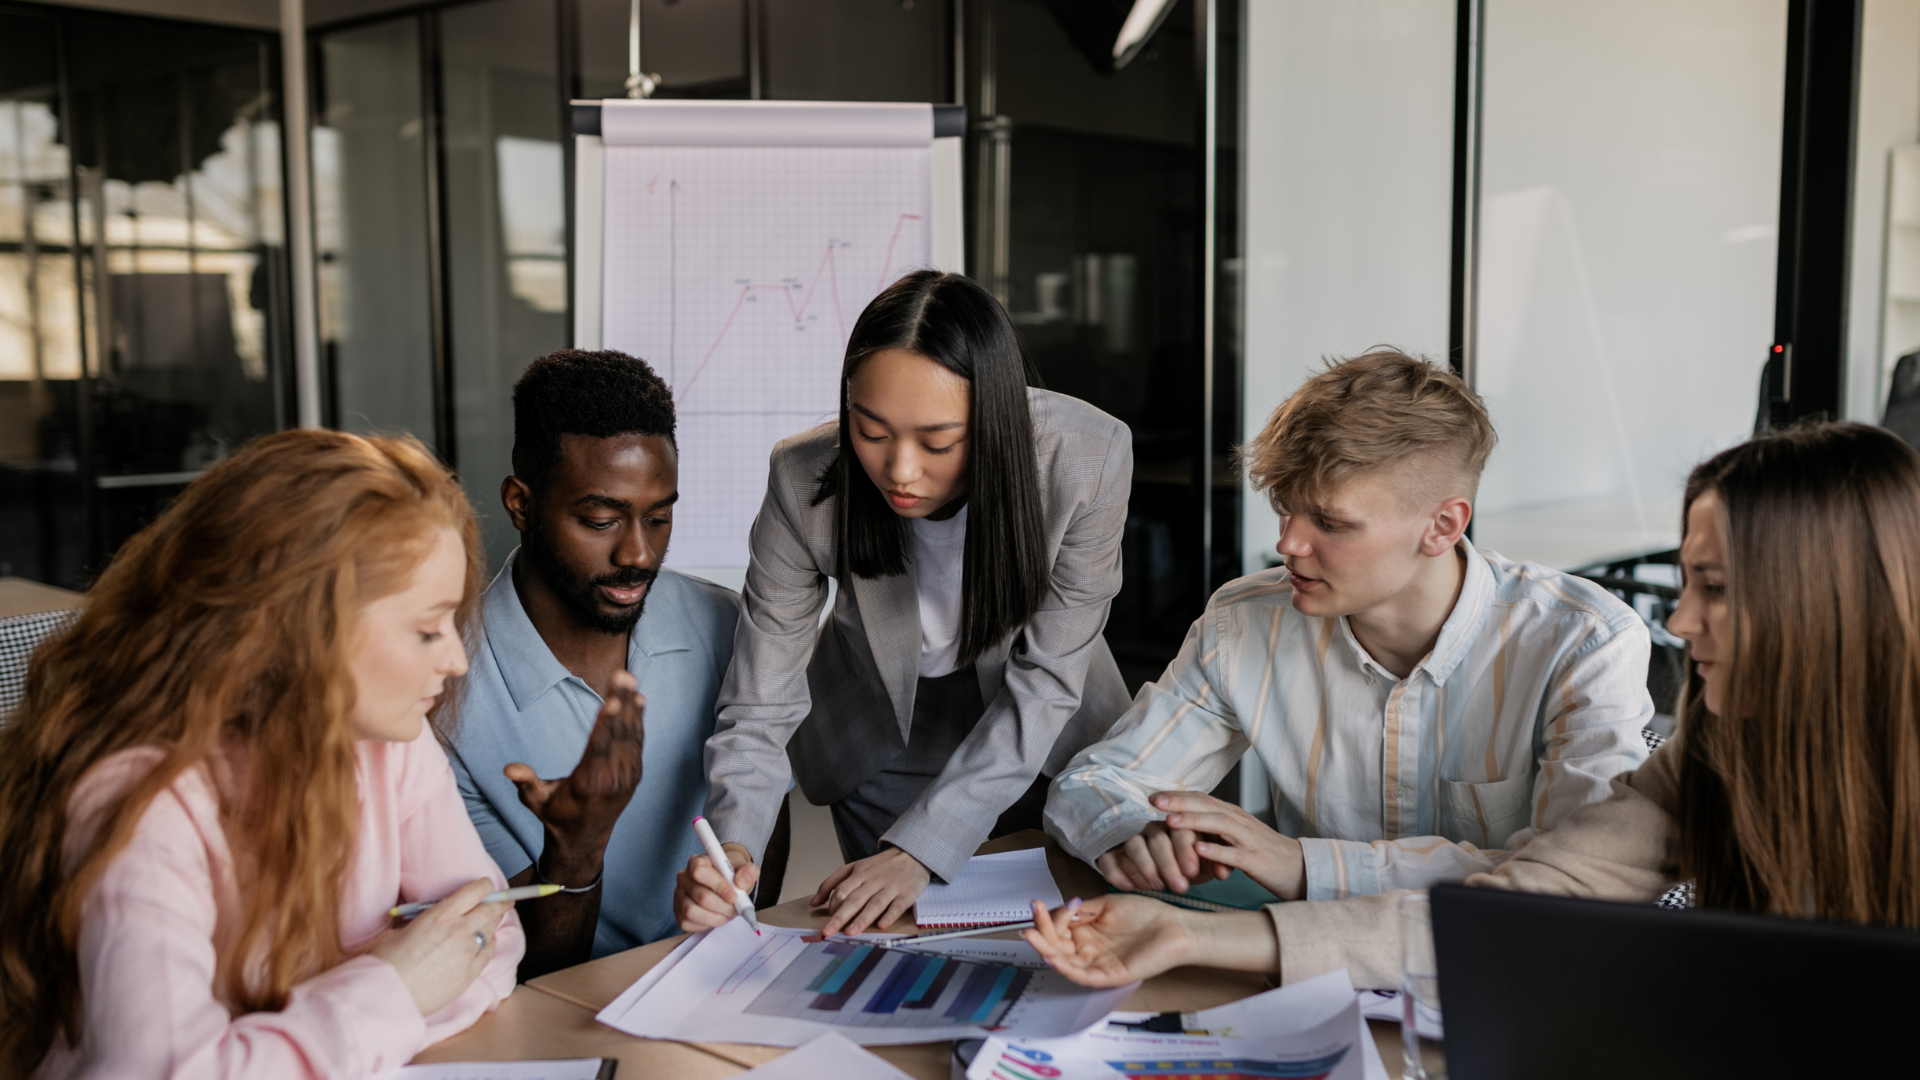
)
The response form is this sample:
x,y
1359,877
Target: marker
x,y
725,866
524,892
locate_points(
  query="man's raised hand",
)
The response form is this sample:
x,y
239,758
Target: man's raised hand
x,y
581,809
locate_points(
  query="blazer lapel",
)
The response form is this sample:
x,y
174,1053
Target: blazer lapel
x,y
890,608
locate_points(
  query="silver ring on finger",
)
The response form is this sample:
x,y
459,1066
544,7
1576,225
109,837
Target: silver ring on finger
x,y
479,941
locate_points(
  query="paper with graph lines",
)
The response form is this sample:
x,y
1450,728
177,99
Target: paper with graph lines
x,y
782,987
737,268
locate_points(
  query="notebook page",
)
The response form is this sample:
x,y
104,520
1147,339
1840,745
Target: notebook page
x,y
991,889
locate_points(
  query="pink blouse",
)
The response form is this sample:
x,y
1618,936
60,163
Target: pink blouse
x,y
150,933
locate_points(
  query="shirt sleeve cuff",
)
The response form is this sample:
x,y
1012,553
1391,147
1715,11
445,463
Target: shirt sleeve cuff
x,y
1337,869
1362,936
368,998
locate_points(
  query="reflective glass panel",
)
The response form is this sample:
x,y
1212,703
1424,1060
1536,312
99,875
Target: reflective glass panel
x,y
506,228
370,218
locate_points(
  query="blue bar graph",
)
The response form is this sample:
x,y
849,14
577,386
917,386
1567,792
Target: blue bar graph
x,y
992,999
893,991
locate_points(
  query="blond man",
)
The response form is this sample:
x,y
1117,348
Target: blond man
x,y
1422,707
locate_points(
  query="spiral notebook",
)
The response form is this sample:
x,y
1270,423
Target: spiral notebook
x,y
991,889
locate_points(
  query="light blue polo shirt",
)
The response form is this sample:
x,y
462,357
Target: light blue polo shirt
x,y
522,704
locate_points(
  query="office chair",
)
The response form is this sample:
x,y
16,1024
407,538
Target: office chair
x,y
1902,415
19,636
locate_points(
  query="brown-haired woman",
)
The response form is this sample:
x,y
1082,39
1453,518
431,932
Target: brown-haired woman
x,y
1794,784
215,786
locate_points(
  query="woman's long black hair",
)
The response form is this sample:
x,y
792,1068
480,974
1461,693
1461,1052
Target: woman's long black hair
x,y
960,326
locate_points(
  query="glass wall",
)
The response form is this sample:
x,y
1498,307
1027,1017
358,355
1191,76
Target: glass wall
x,y
506,235
370,228
42,535
1883,316
142,279
1629,187
1348,185
1093,178
699,50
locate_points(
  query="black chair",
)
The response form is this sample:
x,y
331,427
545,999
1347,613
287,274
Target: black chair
x,y
1902,415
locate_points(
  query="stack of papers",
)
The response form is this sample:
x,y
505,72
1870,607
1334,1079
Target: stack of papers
x,y
992,889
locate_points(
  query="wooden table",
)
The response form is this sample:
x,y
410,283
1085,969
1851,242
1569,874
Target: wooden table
x,y
553,1016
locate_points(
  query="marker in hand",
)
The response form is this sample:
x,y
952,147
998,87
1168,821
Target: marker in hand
x,y
724,866
524,892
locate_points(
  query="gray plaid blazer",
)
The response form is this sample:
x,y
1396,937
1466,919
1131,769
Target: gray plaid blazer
x,y
831,706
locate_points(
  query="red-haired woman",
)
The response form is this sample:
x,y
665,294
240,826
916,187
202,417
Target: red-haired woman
x,y
218,784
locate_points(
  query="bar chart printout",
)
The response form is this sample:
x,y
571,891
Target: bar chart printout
x,y
784,987
852,985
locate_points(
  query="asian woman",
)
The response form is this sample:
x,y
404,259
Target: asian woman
x,y
972,522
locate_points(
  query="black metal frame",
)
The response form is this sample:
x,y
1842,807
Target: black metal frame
x,y
1462,295
1806,374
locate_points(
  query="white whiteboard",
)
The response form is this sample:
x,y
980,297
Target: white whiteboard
x,y
732,245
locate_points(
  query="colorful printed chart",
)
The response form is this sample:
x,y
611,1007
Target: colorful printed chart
x,y
782,987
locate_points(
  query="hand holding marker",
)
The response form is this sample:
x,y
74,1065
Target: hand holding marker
x,y
524,892
724,866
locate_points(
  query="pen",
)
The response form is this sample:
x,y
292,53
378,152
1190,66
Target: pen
x,y
524,892
724,866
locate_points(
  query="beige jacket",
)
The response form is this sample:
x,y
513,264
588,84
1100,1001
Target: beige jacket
x,y
1619,849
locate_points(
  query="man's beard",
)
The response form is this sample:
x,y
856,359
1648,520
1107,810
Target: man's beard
x,y
579,594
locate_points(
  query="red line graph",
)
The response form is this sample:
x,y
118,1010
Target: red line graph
x,y
828,267
886,266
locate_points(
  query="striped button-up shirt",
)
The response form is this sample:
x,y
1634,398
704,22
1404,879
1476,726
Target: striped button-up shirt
x,y
1530,702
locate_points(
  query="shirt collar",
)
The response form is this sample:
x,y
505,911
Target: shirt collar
x,y
1455,634
528,666
1463,623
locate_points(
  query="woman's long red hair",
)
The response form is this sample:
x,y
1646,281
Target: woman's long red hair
x,y
223,625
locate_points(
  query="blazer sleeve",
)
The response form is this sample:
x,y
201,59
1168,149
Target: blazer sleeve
x,y
764,697
1046,672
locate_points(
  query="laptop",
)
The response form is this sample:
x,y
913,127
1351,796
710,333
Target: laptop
x,y
1544,986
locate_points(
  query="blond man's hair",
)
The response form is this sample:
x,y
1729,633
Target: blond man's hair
x,y
1378,411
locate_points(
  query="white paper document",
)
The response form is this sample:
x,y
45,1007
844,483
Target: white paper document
x,y
1386,1005
569,1069
829,1055
991,889
782,987
1309,1031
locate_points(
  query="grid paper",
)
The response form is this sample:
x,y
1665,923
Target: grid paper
x,y
992,889
738,272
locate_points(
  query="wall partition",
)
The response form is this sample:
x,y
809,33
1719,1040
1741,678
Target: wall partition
x,y
1629,193
1575,205
1348,181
